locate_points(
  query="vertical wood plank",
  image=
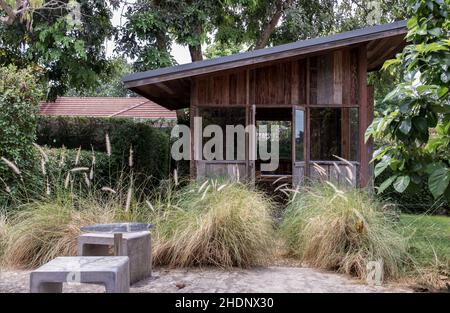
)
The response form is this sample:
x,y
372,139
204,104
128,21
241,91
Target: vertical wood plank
x,y
337,77
307,118
370,108
295,78
192,113
363,116
302,70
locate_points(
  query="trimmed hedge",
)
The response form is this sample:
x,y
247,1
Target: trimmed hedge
x,y
151,150
62,160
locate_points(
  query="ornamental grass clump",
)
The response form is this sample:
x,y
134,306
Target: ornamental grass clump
x,y
342,230
219,224
3,232
46,223
43,230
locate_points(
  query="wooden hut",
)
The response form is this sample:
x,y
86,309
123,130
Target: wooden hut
x,y
315,89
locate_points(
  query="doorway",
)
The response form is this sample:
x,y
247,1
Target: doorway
x,y
265,119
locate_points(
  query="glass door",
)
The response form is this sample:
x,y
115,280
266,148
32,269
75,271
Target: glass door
x,y
299,154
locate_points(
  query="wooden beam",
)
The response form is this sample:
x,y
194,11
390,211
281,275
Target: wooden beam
x,y
370,108
364,149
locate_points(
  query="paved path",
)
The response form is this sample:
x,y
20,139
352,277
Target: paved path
x,y
270,279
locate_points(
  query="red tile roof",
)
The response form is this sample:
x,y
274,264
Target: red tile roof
x,y
106,107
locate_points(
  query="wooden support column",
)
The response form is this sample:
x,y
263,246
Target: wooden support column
x,y
370,108
192,113
364,150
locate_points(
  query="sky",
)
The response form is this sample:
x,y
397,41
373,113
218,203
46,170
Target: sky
x,y
180,53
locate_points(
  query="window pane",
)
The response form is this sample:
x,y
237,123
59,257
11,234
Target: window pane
x,y
299,134
325,134
354,134
223,117
334,131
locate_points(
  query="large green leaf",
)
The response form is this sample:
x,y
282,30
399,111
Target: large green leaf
x,y
386,184
420,123
381,166
405,126
402,183
439,181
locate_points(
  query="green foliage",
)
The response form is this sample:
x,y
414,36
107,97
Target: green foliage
x,y
238,25
69,53
416,198
19,99
151,151
343,230
109,85
416,124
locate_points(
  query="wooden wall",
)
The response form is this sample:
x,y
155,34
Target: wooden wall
x,y
333,79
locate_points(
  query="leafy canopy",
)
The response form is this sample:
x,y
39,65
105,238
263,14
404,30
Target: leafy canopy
x,y
67,41
416,124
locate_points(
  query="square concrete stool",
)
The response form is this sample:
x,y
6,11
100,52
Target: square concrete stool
x,y
112,272
135,245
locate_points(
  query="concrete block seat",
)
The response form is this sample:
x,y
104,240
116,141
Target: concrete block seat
x,y
135,245
112,272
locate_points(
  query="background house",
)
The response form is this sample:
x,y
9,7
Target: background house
x,y
137,108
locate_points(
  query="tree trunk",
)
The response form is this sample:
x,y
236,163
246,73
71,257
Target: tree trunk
x,y
196,53
280,7
196,49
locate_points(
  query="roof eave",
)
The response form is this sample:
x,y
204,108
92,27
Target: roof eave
x,y
265,55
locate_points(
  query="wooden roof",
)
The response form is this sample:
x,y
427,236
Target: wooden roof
x,y
170,86
134,107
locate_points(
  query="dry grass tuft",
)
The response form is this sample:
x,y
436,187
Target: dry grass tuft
x,y
219,224
3,232
342,230
43,230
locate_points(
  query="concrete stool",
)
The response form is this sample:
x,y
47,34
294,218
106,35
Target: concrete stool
x,y
112,272
135,245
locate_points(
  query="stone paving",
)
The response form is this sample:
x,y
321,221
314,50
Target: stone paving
x,y
272,279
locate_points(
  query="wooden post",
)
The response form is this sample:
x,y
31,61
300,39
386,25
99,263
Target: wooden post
x,y
118,247
370,108
364,150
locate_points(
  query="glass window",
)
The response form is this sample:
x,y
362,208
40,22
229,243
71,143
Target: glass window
x,y
299,134
334,131
222,117
354,134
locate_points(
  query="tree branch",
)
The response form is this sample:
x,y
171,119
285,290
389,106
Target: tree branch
x,y
11,14
280,7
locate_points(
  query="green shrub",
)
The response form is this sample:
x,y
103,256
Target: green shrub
x,y
213,224
19,100
415,199
60,162
150,145
342,230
